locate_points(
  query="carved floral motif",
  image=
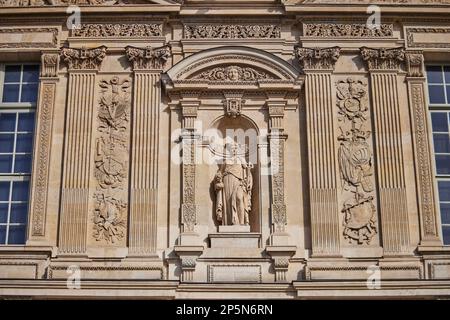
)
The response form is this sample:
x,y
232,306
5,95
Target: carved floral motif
x,y
233,73
231,31
346,30
355,162
383,59
111,161
317,58
117,30
148,58
83,59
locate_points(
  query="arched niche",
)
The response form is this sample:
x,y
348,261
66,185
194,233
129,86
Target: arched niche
x,y
243,131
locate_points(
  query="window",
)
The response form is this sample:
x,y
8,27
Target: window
x,y
438,78
18,92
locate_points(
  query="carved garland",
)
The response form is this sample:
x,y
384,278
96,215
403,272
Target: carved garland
x,y
231,31
355,162
111,161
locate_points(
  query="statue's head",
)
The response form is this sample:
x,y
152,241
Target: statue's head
x,y
233,73
231,149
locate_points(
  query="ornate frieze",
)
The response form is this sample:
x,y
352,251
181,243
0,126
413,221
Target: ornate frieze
x,y
233,73
137,30
398,2
356,30
317,58
416,37
231,31
383,59
83,59
148,58
111,161
356,162
39,3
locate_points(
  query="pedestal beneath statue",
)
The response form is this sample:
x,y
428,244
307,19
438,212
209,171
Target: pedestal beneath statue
x,y
235,236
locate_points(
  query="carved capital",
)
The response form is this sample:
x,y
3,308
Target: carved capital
x,y
148,58
49,65
414,63
317,58
383,59
83,59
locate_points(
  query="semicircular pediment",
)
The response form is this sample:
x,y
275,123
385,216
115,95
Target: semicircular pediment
x,y
233,66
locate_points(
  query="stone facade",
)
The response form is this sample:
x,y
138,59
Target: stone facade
x,y
339,181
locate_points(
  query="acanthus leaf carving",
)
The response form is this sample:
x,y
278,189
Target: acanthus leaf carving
x,y
232,31
383,59
355,162
317,58
233,73
148,58
111,161
414,63
83,59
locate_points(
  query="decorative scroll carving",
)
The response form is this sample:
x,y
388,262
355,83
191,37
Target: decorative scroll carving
x,y
355,162
317,58
111,161
83,59
279,217
383,59
231,31
50,65
357,30
97,30
148,58
42,168
422,151
232,73
188,209
414,63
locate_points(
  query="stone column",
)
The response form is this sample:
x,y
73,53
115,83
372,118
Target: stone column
x,y
429,227
148,63
318,64
383,65
83,65
43,145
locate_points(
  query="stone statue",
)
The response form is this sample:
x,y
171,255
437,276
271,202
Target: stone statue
x,y
233,184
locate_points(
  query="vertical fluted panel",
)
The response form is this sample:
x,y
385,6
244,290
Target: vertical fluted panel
x,y
390,163
77,155
144,163
322,164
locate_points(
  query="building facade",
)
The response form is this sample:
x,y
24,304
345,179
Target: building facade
x,y
224,149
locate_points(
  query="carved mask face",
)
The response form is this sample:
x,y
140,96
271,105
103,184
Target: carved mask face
x,y
233,74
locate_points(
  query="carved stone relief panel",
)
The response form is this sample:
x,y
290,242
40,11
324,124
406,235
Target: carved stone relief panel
x,y
355,157
137,30
355,30
111,162
231,31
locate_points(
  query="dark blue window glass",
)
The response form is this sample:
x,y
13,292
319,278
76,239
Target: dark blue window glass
x,y
12,73
439,121
19,212
446,234
24,142
434,74
4,190
16,234
29,92
441,142
30,73
20,191
11,92
3,212
443,163
445,213
6,163
22,163
26,122
7,122
444,190
437,95
2,234
6,142
447,74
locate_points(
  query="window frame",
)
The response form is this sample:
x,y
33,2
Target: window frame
x,y
436,108
16,108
